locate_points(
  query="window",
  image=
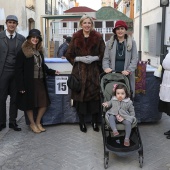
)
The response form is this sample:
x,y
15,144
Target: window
x,y
152,36
137,6
98,24
146,39
75,25
64,24
109,24
48,7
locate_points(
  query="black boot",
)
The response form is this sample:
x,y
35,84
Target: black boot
x,y
95,127
83,127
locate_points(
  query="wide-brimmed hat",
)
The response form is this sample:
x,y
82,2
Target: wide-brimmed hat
x,y
35,33
11,17
120,23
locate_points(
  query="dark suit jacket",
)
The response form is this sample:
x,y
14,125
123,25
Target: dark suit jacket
x,y
4,48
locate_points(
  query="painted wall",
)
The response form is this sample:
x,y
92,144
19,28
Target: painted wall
x,y
151,29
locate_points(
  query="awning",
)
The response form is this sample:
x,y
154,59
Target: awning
x,y
49,17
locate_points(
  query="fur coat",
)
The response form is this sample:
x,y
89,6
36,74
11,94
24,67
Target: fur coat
x,y
24,73
88,73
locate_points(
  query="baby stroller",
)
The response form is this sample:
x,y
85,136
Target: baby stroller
x,y
112,143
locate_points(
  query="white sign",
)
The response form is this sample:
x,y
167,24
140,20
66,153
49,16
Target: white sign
x,y
61,85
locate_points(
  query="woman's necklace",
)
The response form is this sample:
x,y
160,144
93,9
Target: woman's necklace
x,y
120,49
38,63
36,56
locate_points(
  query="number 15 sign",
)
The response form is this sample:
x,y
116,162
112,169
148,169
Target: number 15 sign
x,y
61,85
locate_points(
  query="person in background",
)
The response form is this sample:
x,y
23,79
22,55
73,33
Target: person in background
x,y
122,110
10,44
63,48
85,53
164,94
31,79
121,53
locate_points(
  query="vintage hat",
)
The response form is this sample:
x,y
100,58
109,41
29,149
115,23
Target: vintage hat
x,y
12,17
120,23
36,33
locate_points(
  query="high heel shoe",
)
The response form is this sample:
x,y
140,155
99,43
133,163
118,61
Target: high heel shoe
x,y
83,127
95,127
34,128
41,128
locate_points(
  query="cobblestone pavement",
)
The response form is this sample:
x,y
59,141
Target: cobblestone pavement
x,y
64,147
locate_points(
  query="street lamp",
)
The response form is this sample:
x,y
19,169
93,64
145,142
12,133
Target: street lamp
x,y
163,4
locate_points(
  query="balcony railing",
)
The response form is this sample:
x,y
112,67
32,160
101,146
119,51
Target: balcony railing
x,y
70,31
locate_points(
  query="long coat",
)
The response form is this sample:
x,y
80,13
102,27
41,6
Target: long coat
x,y
165,85
131,57
124,108
89,73
24,73
4,48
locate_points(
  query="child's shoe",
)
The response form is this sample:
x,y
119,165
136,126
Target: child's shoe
x,y
126,142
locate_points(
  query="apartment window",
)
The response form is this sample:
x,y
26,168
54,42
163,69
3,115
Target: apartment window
x,y
98,24
137,6
152,36
64,24
109,24
75,25
48,7
146,39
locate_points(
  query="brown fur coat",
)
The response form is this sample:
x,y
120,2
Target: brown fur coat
x,y
89,73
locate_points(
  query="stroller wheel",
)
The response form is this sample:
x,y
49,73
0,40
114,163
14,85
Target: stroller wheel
x,y
106,161
141,161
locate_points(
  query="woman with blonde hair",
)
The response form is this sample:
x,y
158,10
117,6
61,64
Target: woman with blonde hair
x,y
85,53
31,79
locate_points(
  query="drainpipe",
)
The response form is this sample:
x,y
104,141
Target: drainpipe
x,y
162,34
140,30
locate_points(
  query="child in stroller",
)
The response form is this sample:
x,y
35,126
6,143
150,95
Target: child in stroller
x,y
113,142
122,110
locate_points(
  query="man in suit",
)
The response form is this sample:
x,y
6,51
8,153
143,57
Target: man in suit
x,y
10,44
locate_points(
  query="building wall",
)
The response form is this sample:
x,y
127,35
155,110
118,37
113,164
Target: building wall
x,y
151,29
108,3
18,9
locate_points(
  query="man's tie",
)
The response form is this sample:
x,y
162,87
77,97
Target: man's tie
x,y
11,36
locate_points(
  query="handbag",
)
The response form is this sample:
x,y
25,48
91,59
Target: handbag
x,y
74,83
158,71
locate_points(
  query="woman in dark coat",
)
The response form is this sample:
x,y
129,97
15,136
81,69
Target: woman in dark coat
x,y
85,53
31,79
